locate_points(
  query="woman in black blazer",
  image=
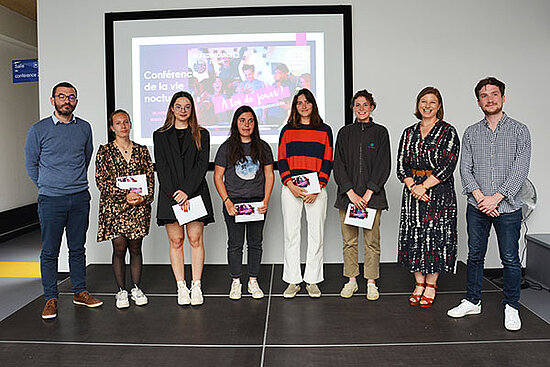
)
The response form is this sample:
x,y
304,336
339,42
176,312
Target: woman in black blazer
x,y
182,152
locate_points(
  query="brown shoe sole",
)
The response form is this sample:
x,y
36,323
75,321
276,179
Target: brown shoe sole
x,y
88,304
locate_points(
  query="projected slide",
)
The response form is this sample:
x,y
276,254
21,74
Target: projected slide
x,y
224,72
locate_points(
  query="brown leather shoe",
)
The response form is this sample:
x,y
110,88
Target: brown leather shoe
x,y
50,309
86,299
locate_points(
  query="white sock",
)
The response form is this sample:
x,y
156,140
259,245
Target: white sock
x,y
196,283
237,281
181,284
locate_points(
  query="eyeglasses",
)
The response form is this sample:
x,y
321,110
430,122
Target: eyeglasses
x,y
181,108
63,97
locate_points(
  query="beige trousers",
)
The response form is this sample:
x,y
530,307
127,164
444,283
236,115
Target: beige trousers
x,y
371,238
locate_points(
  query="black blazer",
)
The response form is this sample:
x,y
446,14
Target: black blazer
x,y
180,170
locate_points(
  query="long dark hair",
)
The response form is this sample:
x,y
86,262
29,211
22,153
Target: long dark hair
x,y
236,152
193,122
294,118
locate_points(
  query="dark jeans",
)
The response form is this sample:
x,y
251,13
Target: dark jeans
x,y
58,213
235,243
507,227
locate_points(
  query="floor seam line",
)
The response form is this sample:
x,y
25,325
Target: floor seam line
x,y
44,342
358,294
296,346
267,316
406,344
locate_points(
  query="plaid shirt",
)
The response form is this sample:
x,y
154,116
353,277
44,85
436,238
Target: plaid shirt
x,y
496,161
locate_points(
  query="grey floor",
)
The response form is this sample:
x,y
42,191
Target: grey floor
x,y
269,332
17,292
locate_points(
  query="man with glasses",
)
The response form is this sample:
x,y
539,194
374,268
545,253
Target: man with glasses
x,y
57,155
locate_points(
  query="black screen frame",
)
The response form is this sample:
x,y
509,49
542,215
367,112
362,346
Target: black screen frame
x,y
113,17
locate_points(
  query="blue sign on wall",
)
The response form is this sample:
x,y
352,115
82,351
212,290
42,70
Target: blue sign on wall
x,y
25,71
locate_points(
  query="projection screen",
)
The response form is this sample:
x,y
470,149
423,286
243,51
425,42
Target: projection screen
x,y
227,58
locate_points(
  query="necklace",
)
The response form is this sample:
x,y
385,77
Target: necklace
x,y
125,149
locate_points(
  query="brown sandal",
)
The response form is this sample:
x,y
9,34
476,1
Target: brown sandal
x,y
414,299
429,301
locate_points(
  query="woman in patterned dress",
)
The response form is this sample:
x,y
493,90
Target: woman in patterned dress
x,y
124,215
428,154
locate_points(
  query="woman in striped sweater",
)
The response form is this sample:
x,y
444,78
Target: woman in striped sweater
x,y
305,146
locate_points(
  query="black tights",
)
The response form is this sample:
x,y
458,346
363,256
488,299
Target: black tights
x,y
120,245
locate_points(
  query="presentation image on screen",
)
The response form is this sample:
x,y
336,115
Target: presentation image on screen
x,y
222,73
227,58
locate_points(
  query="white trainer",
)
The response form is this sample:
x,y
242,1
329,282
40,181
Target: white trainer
x,y
372,292
196,293
512,321
122,299
255,290
138,297
465,308
183,295
236,290
291,290
349,289
313,290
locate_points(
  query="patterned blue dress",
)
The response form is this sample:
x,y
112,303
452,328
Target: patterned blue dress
x,y
427,230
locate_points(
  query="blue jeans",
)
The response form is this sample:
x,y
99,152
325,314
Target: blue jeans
x,y
59,213
507,227
235,243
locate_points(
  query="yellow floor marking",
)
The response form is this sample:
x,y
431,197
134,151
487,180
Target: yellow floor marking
x,y
15,269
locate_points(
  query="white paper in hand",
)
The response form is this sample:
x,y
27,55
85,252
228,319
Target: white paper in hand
x,y
248,212
196,210
308,181
360,218
135,183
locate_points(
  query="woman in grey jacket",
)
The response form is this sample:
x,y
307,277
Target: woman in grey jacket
x,y
362,165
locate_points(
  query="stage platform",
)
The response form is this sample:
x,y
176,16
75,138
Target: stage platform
x,y
330,331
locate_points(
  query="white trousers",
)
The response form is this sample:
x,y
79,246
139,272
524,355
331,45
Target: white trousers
x,y
292,220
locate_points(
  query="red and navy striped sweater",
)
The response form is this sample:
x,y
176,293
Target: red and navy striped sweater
x,y
305,149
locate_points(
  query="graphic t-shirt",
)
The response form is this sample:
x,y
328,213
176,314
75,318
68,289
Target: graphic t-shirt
x,y
245,179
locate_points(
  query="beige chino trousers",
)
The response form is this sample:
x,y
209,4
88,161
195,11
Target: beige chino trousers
x,y
371,239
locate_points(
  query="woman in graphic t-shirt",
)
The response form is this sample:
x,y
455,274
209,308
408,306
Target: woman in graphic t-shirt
x,y
243,174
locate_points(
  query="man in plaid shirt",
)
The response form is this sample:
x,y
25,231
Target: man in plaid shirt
x,y
494,164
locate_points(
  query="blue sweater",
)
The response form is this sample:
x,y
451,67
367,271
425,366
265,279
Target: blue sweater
x,y
57,156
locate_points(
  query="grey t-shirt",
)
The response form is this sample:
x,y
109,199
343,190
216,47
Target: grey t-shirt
x,y
245,179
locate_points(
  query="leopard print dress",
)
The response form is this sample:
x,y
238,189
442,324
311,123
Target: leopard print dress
x,y
116,216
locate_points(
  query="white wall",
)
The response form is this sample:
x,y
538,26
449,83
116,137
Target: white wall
x,y
399,47
19,109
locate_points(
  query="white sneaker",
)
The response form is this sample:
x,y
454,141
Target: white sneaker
x,y
122,299
313,290
349,289
372,292
291,290
236,290
255,290
465,308
183,295
138,297
196,293
512,321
